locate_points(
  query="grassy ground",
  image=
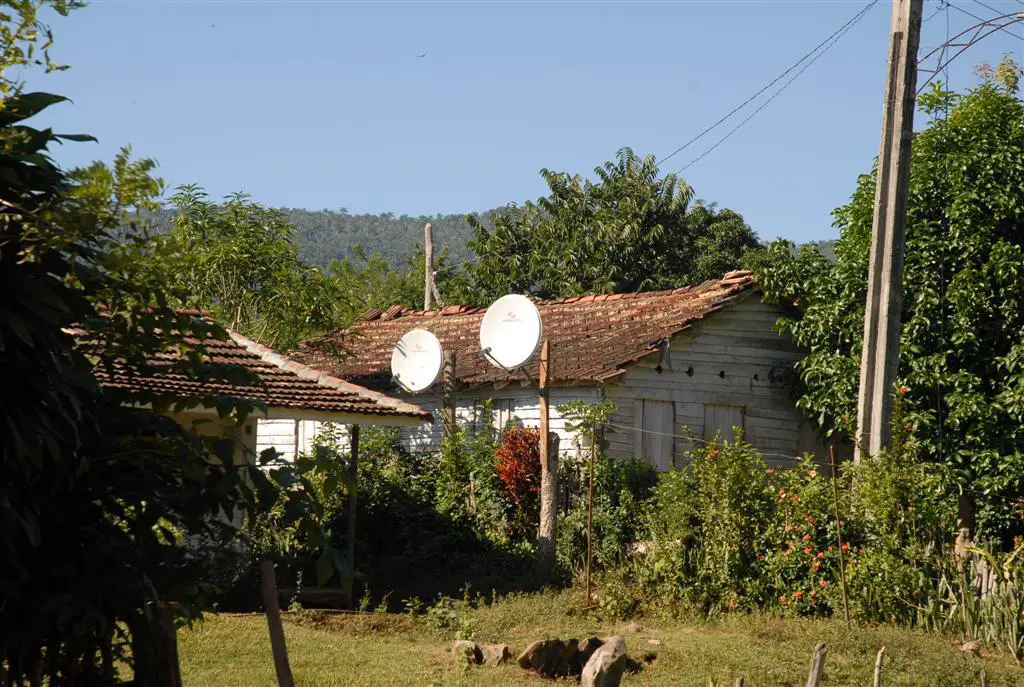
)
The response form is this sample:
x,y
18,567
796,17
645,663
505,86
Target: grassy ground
x,y
383,650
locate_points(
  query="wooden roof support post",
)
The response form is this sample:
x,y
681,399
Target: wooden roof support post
x,y
548,472
448,386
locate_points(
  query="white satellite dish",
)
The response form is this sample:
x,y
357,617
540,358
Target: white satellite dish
x,y
417,360
510,331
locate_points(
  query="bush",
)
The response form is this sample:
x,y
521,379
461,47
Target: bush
x,y
518,467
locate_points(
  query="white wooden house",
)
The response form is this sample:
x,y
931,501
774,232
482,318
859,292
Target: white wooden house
x,y
700,359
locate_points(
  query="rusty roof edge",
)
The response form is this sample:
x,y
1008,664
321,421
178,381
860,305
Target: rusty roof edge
x,y
278,360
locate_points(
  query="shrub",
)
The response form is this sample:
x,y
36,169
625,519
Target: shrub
x,y
518,467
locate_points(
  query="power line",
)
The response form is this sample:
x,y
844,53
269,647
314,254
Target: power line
x,y
834,39
766,86
972,14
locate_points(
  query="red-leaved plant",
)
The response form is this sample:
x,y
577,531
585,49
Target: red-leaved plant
x,y
518,465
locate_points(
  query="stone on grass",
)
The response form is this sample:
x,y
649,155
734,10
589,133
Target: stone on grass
x,y
587,649
464,650
654,642
605,667
552,657
495,654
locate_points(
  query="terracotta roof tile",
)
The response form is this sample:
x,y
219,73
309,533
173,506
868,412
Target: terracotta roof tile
x,y
592,337
279,382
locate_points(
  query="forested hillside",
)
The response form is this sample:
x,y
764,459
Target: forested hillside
x,y
326,235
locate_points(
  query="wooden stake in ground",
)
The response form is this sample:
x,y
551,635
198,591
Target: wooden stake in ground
x,y
353,496
590,507
880,353
428,265
268,585
878,668
817,665
839,530
548,471
739,682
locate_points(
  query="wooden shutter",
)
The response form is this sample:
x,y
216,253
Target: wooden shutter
x,y
721,420
659,425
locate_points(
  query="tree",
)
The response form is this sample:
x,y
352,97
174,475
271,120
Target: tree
x,y
238,258
962,340
630,230
365,283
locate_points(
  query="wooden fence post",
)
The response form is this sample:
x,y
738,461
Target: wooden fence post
x,y
878,668
817,665
353,497
268,584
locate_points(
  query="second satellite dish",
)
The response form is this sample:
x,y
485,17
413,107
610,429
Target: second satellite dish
x,y
510,331
417,360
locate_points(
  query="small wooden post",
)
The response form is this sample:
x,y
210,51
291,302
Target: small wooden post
x,y
739,682
839,530
353,500
984,680
428,264
448,386
268,585
590,507
548,471
817,665
878,668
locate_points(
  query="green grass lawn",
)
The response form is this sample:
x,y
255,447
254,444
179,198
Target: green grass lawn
x,y
378,649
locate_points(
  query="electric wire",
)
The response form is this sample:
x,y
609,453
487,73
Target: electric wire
x,y
972,14
836,37
768,85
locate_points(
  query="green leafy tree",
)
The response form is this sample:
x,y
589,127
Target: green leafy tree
x,y
367,282
629,230
962,339
239,259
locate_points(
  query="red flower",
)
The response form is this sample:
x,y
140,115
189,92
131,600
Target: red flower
x,y
846,421
813,473
823,583
782,599
904,389
794,498
786,552
789,528
770,471
821,554
810,519
845,546
806,537
713,453
798,595
807,550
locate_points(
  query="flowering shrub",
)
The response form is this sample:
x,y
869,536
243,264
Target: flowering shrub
x,y
801,559
518,466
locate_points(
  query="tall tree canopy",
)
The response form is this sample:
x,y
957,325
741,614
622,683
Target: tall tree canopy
x,y
629,230
962,337
239,259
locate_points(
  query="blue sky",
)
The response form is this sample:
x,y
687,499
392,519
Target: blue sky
x,y
326,104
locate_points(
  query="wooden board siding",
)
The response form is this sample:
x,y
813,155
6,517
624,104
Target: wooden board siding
x,y
735,359
520,405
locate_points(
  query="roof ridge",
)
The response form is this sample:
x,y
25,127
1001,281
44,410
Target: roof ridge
x,y
269,355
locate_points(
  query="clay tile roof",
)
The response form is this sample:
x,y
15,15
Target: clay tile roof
x,y
283,383
591,338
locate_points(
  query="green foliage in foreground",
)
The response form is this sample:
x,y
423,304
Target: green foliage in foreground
x,y
375,649
962,340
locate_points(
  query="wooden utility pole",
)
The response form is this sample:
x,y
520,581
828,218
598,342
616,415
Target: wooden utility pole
x,y
880,355
448,386
428,265
353,495
548,471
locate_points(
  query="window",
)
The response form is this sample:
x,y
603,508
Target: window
x,y
658,421
721,420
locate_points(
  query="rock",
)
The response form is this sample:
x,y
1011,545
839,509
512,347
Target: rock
x,y
605,667
464,650
973,647
495,654
654,642
552,657
586,650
